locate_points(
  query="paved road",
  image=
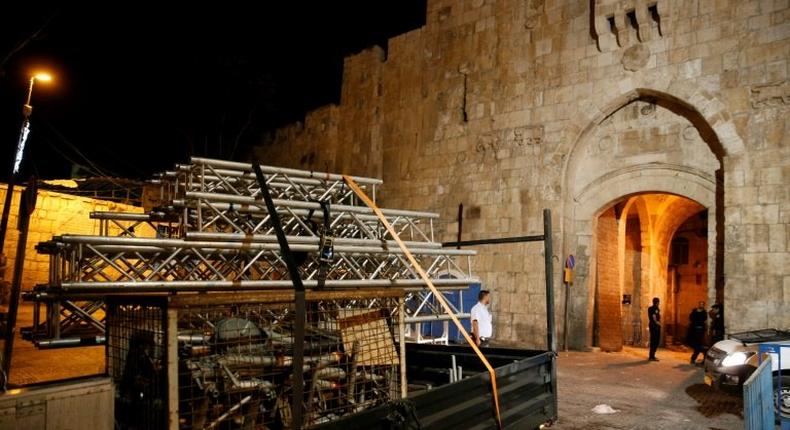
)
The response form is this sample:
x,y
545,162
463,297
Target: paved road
x,y
668,394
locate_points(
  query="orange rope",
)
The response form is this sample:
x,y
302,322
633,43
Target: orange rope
x,y
364,197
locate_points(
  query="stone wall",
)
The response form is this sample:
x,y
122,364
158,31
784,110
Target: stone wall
x,y
632,280
608,307
500,105
55,214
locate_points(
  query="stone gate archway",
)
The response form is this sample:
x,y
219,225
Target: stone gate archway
x,y
619,154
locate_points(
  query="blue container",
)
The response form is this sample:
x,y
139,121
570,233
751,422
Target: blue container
x,y
469,298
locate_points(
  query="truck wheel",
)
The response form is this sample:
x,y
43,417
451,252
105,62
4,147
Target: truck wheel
x,y
784,398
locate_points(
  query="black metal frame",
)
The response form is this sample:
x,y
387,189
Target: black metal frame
x,y
526,391
551,334
27,204
299,296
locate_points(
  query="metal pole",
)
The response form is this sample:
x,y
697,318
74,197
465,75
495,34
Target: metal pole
x,y
300,243
27,203
312,240
12,183
244,167
29,96
494,241
6,210
551,338
460,223
404,387
299,303
27,109
297,204
113,287
567,291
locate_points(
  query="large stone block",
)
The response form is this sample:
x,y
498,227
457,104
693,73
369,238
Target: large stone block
x,y
761,214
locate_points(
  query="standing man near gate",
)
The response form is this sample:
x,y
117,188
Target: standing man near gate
x,y
654,316
696,334
482,328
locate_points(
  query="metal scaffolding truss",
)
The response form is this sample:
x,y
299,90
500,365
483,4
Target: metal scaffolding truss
x,y
207,212
127,224
91,263
229,177
215,234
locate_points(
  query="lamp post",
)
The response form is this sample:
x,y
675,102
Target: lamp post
x,y
27,109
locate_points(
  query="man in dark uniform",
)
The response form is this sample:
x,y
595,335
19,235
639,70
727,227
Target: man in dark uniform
x,y
696,333
717,322
654,316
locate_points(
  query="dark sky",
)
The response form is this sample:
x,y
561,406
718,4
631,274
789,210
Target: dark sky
x,y
142,86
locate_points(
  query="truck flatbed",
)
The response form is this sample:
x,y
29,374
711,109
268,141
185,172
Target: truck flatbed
x,y
761,336
526,389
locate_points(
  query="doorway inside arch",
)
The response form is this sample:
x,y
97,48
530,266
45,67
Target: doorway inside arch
x,y
649,245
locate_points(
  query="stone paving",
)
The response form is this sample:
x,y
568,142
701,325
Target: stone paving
x,y
668,394
29,365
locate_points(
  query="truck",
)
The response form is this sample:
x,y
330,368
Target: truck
x,y
730,362
450,389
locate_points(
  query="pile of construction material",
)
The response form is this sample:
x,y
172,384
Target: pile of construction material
x,y
226,361
195,298
212,232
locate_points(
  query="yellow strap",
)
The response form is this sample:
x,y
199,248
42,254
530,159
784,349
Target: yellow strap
x,y
439,296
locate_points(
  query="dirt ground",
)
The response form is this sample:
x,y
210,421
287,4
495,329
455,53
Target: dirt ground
x,y
668,394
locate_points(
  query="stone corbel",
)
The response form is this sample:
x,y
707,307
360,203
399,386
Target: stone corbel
x,y
642,20
606,40
665,17
621,27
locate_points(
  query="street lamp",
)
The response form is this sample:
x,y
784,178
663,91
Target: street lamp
x,y
27,109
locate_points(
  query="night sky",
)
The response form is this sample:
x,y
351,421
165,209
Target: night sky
x,y
141,87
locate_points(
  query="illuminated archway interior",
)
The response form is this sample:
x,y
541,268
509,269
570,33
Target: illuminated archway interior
x,y
648,245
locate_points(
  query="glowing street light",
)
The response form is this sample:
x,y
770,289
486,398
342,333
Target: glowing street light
x,y
27,109
46,77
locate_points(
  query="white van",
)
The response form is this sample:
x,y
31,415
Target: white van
x,y
730,362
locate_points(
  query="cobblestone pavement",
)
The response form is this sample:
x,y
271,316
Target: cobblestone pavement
x,y
668,394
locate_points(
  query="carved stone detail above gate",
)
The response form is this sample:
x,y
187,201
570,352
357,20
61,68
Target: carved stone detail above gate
x,y
627,22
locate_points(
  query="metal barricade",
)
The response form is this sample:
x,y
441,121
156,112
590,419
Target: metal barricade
x,y
779,389
758,408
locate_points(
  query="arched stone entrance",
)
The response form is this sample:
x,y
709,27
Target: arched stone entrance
x,y
646,142
634,262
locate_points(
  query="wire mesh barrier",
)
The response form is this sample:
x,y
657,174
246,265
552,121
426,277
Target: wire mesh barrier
x,y
220,361
136,359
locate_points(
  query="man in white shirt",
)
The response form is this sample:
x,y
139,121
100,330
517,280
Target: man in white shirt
x,y
482,328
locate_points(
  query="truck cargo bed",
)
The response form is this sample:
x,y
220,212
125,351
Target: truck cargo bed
x,y
527,393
